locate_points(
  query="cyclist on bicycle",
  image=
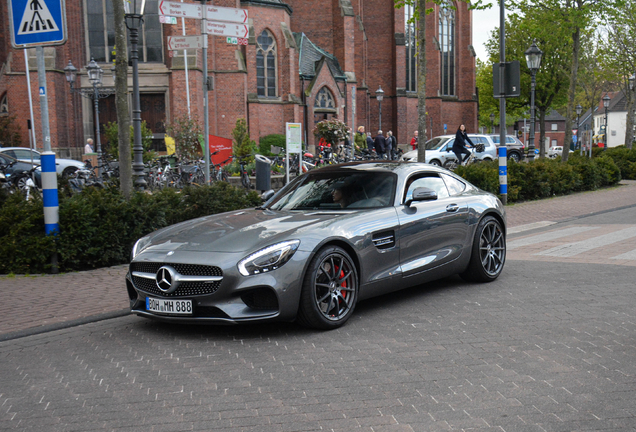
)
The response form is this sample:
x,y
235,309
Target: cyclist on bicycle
x,y
459,146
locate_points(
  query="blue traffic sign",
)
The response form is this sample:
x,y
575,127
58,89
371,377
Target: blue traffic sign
x,y
37,22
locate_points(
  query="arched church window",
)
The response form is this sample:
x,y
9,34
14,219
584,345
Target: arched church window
x,y
447,48
4,105
324,99
266,65
410,42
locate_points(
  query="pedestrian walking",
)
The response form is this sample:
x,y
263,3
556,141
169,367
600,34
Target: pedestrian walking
x,y
370,142
360,139
459,146
414,140
388,146
393,148
88,148
380,145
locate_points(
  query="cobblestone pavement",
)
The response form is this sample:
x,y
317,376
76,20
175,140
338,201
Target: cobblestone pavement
x,y
543,348
40,303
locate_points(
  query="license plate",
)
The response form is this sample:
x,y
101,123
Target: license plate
x,y
172,307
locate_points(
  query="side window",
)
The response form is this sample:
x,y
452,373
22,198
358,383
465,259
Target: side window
x,y
431,181
11,153
455,187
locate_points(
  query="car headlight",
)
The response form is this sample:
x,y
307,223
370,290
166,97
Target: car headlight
x,y
139,246
268,259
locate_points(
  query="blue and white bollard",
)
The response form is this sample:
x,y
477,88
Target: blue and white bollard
x,y
503,174
49,194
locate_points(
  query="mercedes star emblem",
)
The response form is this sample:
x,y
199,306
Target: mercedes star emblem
x,y
166,279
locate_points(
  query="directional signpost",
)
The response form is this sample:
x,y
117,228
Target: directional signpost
x,y
227,29
228,22
185,42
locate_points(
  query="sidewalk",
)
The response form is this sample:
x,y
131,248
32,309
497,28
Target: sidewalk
x,y
36,304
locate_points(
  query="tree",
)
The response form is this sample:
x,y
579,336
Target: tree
x,y
9,132
113,132
186,132
620,53
242,145
574,17
419,15
121,99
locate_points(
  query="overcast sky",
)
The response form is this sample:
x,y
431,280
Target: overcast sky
x,y
484,22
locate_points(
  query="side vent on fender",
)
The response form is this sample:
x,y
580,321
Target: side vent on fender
x,y
384,240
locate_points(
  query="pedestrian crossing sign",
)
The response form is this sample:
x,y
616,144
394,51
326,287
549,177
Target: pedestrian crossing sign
x,y
37,22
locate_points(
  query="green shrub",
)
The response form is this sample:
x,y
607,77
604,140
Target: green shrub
x,y
99,227
265,143
544,178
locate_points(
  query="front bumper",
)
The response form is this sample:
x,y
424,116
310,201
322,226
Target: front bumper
x,y
235,299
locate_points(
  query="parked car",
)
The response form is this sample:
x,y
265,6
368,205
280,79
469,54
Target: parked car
x,y
330,238
555,151
13,166
438,149
63,167
516,149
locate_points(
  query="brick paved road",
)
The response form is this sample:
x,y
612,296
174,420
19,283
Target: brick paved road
x,y
537,350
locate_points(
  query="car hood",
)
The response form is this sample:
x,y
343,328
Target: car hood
x,y
237,231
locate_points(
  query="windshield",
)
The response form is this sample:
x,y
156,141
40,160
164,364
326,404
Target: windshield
x,y
337,190
435,143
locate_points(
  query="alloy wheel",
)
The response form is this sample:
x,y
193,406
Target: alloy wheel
x,y
335,287
492,248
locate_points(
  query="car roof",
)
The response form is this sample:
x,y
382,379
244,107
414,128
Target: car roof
x,y
17,148
397,167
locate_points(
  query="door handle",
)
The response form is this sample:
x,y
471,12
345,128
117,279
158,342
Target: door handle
x,y
452,208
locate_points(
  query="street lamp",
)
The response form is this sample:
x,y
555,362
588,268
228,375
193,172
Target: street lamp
x,y
134,20
95,74
606,102
579,110
533,59
492,123
379,94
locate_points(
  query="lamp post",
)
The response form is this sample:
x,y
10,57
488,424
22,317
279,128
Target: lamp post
x,y
492,123
379,94
606,102
134,20
95,75
579,110
533,59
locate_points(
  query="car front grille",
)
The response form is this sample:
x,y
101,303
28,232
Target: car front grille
x,y
185,288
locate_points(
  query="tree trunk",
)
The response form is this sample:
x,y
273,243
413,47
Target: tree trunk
x,y
629,123
542,134
121,99
421,81
576,46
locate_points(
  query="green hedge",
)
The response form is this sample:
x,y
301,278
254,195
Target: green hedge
x,y
623,157
544,178
99,227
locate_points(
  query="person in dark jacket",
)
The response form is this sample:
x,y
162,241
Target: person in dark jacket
x,y
380,145
370,143
459,146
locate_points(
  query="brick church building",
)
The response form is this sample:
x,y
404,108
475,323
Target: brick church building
x,y
305,61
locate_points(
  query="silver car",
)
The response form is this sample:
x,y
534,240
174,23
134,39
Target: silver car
x,y
438,149
332,237
63,167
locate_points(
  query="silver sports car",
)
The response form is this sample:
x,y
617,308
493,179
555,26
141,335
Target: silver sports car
x,y
330,238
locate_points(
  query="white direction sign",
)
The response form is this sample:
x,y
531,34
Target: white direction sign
x,y
175,9
216,13
185,42
227,29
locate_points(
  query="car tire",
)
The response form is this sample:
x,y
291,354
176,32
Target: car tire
x,y
68,171
330,290
488,252
436,163
514,156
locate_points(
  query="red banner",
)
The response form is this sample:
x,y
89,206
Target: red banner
x,y
224,147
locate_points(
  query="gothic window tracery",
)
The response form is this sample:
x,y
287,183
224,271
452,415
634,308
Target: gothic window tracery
x,y
266,65
4,106
324,100
447,48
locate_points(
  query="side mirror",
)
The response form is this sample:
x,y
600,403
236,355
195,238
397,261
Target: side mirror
x,y
421,194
